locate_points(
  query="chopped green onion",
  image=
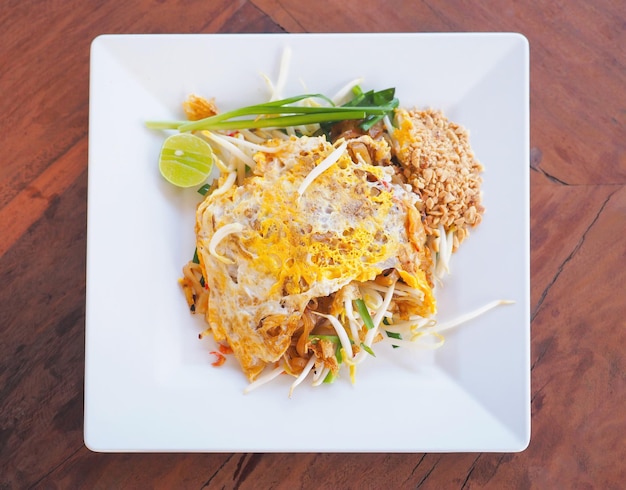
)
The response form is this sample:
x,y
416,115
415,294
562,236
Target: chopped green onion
x,y
204,189
332,338
275,122
393,335
196,260
330,377
365,314
275,107
164,124
368,349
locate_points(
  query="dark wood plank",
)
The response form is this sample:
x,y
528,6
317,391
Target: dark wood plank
x,y
42,347
85,469
40,194
251,19
579,371
560,214
357,16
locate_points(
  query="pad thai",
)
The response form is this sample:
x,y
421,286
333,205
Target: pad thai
x,y
330,226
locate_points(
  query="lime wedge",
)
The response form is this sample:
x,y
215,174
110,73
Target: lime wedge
x,y
185,160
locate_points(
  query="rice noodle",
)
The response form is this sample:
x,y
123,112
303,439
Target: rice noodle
x,y
385,303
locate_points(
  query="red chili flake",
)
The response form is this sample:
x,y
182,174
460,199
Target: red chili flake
x,y
220,359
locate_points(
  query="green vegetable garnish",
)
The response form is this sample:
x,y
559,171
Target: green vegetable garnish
x,y
365,314
332,338
368,349
372,107
338,354
196,260
204,189
393,335
330,377
382,98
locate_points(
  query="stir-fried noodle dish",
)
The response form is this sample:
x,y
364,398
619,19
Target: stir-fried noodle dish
x,y
329,229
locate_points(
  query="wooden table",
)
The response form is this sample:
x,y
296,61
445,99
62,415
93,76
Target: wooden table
x,y
578,220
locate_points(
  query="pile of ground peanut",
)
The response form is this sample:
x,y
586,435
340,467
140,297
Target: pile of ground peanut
x,y
436,159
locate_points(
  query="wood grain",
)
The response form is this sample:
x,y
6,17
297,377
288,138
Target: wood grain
x,y
568,212
578,215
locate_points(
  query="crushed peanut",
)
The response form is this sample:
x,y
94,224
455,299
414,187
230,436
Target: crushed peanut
x,y
436,159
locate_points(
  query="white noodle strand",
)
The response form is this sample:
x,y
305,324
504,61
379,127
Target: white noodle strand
x,y
239,142
218,236
471,315
264,378
342,93
282,74
228,183
341,332
352,321
324,165
236,151
319,378
305,372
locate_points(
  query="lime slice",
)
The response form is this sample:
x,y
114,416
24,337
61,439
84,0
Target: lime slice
x,y
185,160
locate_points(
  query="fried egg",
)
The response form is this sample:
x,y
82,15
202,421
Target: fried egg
x,y
267,248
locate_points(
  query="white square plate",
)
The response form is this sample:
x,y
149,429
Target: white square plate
x,y
149,383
